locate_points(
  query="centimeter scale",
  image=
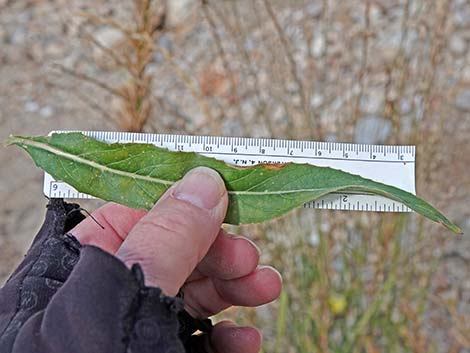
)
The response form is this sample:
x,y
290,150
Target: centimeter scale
x,y
393,165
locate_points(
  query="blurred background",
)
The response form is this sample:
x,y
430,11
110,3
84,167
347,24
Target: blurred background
x,y
369,71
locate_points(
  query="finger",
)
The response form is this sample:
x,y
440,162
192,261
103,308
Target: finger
x,y
207,297
229,257
117,221
176,234
226,337
259,287
195,275
202,300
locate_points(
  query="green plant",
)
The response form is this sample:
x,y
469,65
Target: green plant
x,y
137,175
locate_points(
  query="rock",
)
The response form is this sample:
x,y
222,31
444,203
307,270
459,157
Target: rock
x,y
376,14
31,106
298,15
108,37
301,61
465,74
406,123
331,138
460,17
462,101
249,44
181,14
404,106
373,101
165,41
36,51
388,45
338,264
3,35
18,37
46,111
232,128
316,100
278,113
372,129
314,238
318,46
457,44
315,9
54,50
418,103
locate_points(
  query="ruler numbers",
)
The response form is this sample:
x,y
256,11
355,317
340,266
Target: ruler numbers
x,y
393,165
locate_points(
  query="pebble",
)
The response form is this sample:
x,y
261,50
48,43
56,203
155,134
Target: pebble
x,y
298,15
331,138
372,129
166,42
315,8
376,14
404,106
338,264
461,16
54,50
316,100
462,101
457,44
278,113
314,238
18,37
36,51
108,37
388,45
318,46
46,111
179,12
3,35
31,106
372,102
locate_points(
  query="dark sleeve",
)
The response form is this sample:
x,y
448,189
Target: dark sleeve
x,y
67,298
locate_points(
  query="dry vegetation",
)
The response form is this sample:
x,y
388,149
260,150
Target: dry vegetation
x,y
367,71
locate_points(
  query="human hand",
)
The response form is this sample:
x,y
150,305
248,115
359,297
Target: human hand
x,y
180,245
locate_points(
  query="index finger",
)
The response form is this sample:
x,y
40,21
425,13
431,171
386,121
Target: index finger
x,y
117,221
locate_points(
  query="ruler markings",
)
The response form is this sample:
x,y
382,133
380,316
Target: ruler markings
x,y
311,157
277,151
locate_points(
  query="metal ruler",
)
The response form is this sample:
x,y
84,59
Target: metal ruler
x,y
393,165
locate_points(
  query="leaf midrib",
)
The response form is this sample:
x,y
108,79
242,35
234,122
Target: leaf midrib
x,y
85,161
104,168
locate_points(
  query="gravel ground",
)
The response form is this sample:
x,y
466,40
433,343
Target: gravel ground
x,y
35,100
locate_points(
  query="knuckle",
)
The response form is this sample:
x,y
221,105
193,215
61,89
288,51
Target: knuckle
x,y
197,311
203,306
131,256
173,222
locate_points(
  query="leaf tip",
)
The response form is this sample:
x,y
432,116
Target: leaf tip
x,y
457,230
451,226
11,140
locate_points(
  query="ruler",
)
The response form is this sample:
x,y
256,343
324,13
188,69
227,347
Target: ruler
x,y
392,165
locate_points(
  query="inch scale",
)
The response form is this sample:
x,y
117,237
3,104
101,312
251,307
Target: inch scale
x,y
392,165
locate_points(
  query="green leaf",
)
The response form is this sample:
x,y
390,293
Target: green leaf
x,y
137,175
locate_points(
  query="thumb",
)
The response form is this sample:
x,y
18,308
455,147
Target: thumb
x,y
170,240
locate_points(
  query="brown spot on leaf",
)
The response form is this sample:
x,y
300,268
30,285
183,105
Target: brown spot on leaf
x,y
274,166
